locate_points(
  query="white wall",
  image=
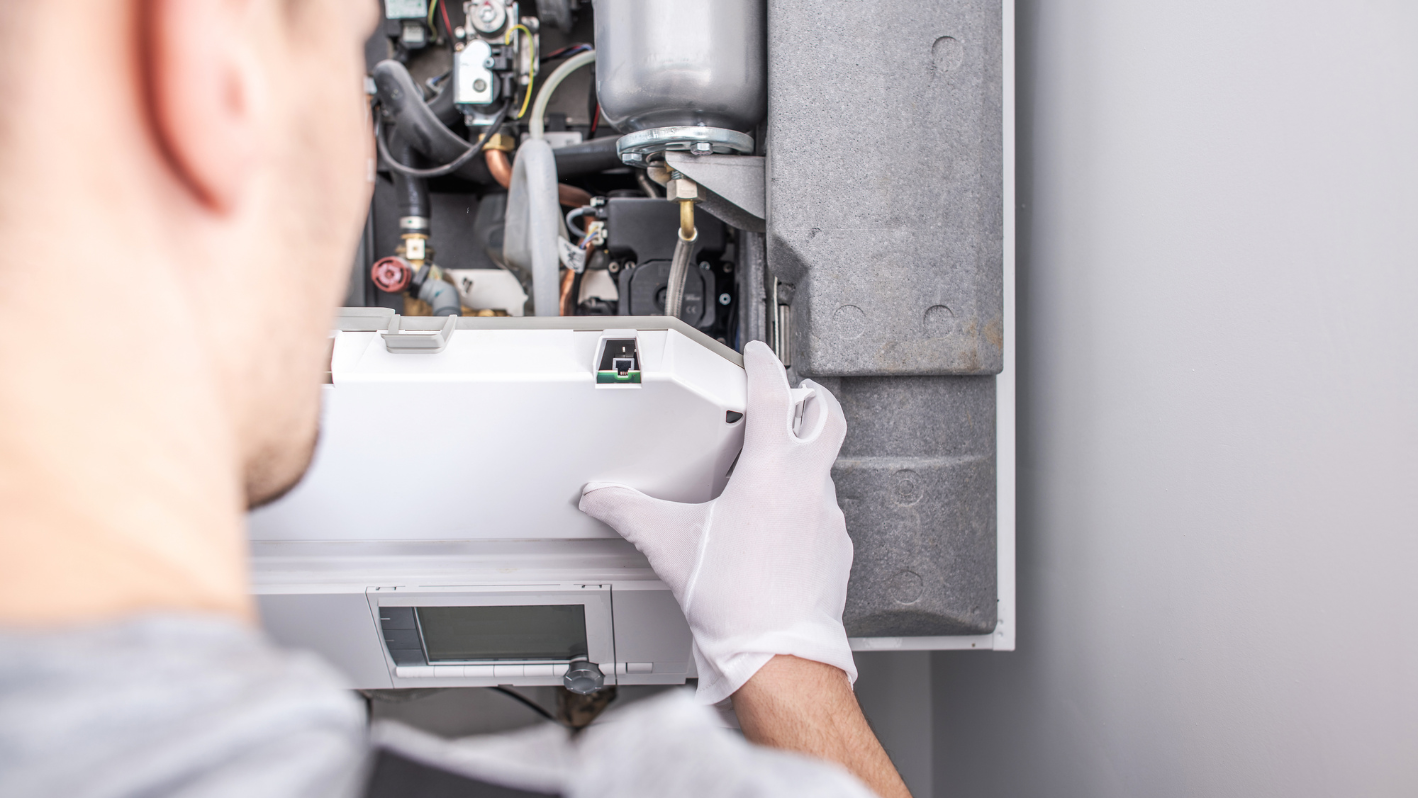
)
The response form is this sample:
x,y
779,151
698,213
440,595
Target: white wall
x,y
1218,535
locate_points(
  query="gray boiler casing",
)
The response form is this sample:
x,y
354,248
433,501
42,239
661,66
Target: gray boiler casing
x,y
663,63
885,215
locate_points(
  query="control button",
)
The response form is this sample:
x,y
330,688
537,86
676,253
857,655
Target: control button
x,y
391,618
403,639
478,671
448,671
413,671
583,678
507,670
639,667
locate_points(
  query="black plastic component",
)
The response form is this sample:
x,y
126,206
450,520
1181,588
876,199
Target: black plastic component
x,y
620,356
645,229
732,417
586,158
501,59
595,306
643,290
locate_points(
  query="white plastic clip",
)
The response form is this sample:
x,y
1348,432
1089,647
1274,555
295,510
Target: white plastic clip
x,y
418,342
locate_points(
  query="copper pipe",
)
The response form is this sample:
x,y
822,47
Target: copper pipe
x,y
500,168
570,196
568,302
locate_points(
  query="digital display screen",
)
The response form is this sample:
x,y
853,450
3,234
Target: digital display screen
x,y
547,631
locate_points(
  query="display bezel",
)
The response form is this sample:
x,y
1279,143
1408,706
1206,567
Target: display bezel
x,y
594,599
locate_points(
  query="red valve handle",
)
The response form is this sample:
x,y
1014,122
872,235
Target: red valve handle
x,y
391,274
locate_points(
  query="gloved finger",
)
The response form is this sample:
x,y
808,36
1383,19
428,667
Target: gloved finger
x,y
769,409
637,517
823,419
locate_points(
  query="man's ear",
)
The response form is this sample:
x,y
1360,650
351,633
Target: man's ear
x,y
204,92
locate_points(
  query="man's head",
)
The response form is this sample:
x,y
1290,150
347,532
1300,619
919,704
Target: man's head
x,y
259,109
181,187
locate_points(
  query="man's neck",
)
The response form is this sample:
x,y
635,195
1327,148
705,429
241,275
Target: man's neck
x,y
119,481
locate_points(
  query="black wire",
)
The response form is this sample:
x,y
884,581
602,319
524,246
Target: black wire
x,y
530,704
576,292
565,52
448,168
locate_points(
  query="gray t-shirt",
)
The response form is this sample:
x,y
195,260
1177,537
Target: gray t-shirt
x,y
202,706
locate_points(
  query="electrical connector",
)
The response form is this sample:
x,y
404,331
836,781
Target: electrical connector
x,y
620,363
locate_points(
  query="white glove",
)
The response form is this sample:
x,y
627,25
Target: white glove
x,y
761,570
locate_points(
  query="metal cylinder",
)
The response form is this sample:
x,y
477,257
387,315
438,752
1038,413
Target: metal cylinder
x,y
663,63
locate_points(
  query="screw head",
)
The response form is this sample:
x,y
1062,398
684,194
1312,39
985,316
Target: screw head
x,y
725,299
704,264
479,85
613,267
702,148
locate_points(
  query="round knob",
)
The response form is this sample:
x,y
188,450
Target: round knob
x,y
583,678
391,274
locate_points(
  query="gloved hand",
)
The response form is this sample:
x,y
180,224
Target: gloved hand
x,y
761,570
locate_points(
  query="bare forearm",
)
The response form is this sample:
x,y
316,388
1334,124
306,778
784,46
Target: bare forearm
x,y
805,706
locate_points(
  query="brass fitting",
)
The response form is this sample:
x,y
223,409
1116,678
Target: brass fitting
x,y
686,220
500,141
686,192
415,248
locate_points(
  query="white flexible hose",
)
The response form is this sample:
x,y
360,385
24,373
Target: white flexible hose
x,y
539,106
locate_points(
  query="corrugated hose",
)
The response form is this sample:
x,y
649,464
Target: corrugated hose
x,y
679,271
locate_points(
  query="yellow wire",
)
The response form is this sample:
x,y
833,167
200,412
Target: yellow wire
x,y
431,7
531,78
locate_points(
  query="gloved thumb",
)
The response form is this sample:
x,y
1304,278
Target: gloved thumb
x,y
666,532
623,508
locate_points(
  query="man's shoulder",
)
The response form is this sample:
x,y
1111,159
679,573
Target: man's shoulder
x,y
172,705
